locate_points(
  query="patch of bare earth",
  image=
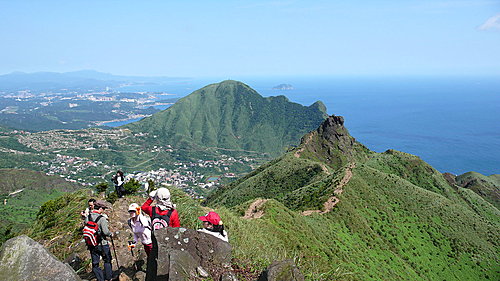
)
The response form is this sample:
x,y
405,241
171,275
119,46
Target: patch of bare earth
x,y
333,200
255,210
299,151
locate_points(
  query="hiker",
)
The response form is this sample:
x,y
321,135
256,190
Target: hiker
x,y
87,211
212,224
141,227
99,246
118,179
163,214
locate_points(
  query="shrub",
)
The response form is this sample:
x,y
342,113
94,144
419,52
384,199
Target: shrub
x,y
101,187
112,197
151,185
132,186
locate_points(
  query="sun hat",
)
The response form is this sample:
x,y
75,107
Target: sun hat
x,y
133,207
211,217
163,199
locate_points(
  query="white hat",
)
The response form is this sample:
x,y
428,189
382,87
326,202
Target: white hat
x,y
163,199
163,194
133,207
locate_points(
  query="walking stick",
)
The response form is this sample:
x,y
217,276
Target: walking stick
x,y
114,250
132,252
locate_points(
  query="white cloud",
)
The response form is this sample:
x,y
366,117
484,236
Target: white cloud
x,y
492,23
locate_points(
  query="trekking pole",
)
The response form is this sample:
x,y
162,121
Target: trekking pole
x,y
114,250
132,252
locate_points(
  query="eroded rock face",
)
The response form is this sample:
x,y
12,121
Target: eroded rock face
x,y
22,258
181,251
282,271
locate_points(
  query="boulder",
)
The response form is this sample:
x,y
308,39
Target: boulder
x,y
22,258
282,271
181,251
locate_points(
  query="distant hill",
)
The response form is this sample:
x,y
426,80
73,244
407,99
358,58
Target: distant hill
x,y
22,192
487,187
379,216
86,79
231,115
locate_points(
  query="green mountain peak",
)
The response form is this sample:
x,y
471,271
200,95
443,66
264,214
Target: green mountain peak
x,y
232,115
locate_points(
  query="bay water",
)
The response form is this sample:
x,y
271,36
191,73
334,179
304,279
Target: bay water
x,y
452,123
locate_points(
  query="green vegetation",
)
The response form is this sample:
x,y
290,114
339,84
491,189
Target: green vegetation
x,y
397,218
22,192
132,186
101,187
232,115
486,187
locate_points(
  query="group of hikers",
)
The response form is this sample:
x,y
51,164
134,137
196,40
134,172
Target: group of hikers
x,y
143,221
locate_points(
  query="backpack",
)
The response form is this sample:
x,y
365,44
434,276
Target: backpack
x,y
160,221
91,232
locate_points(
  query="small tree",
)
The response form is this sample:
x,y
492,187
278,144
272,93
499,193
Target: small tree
x,y
112,197
101,187
151,185
132,186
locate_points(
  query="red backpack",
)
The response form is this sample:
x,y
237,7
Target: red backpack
x,y
91,232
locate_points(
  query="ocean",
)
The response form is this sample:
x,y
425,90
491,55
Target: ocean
x,y
452,123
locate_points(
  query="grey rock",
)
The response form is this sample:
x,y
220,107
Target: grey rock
x,y
228,276
202,272
178,261
282,271
22,258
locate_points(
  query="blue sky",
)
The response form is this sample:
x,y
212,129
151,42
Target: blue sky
x,y
217,38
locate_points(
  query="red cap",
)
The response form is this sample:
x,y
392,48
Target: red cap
x,y
211,217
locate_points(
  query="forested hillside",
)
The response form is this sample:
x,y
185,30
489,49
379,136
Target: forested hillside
x,y
232,115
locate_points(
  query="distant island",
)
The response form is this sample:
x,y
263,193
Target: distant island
x,y
283,87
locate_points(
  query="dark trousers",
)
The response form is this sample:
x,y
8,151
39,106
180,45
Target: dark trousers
x,y
119,189
152,263
96,253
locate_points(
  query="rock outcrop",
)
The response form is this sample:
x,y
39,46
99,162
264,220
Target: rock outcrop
x,y
282,271
332,144
186,253
22,258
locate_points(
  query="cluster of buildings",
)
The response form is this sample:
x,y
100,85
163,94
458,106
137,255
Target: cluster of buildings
x,y
63,139
72,168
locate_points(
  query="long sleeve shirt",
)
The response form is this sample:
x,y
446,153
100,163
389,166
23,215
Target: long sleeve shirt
x,y
148,209
103,226
141,227
216,234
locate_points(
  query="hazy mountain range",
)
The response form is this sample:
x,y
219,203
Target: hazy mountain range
x,y
83,79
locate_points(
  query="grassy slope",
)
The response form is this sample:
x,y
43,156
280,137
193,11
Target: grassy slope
x,y
23,207
275,180
397,219
232,115
487,187
384,227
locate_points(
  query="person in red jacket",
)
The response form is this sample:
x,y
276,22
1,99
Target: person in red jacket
x,y
163,214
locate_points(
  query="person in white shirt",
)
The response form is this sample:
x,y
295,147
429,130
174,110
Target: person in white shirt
x,y
118,179
141,227
212,224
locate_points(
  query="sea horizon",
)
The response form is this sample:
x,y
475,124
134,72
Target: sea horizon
x,y
448,121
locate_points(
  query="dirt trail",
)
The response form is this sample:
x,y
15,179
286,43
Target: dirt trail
x,y
297,153
255,211
333,200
